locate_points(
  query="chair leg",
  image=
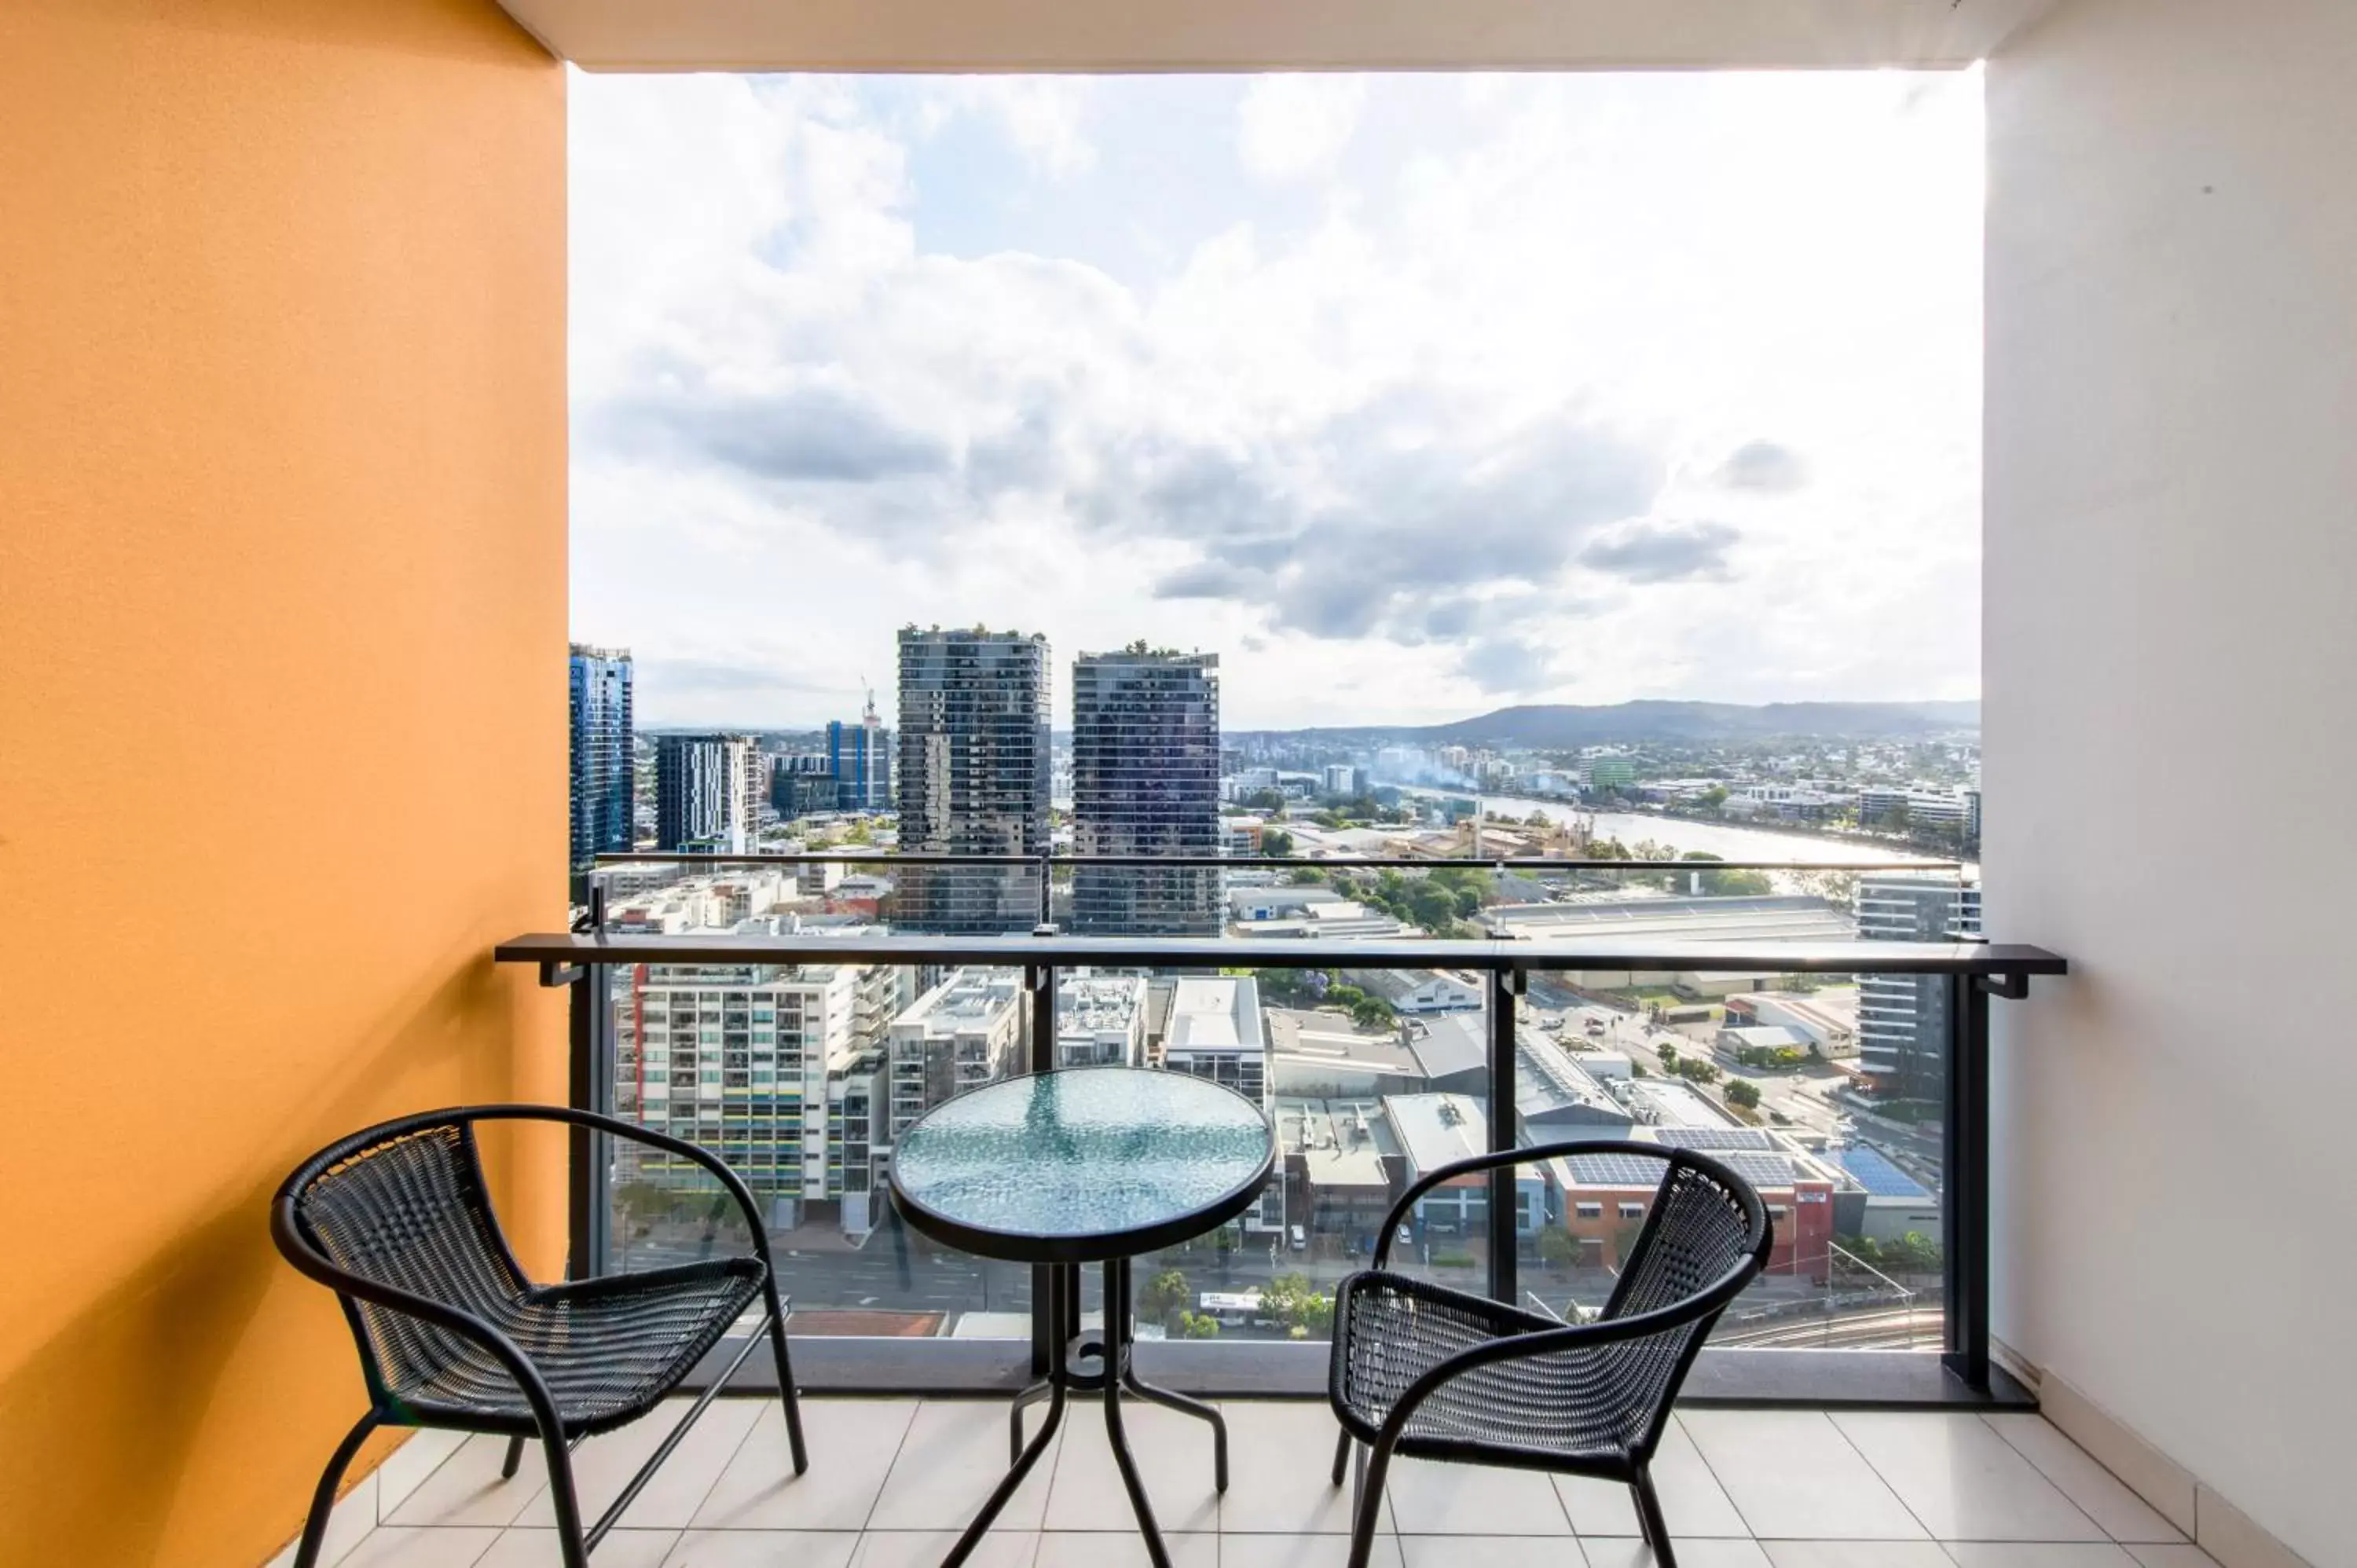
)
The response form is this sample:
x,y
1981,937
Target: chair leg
x,y
1649,1519
1341,1455
786,1380
323,1498
514,1458
1367,1507
572,1550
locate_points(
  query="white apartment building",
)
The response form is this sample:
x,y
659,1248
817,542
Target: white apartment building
x,y
963,1033
1101,1021
778,1070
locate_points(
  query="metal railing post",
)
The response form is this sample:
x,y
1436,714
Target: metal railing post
x,y
589,1087
1507,982
1040,980
1965,1183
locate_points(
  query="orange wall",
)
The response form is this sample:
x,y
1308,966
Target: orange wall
x,y
281,642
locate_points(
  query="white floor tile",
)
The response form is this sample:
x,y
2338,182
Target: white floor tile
x,y
1961,1479
1856,1554
1621,1552
852,1445
1280,1455
1430,1498
1692,1498
349,1522
408,1466
2038,1554
1489,1551
762,1549
926,1548
2100,1494
1318,1552
1173,1453
400,1546
1791,1474
954,1452
2179,1554
1123,1548
467,1489
603,1465
620,1549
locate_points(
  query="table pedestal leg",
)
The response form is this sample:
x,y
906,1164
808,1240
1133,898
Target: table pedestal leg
x,y
1027,1456
1179,1402
1116,1373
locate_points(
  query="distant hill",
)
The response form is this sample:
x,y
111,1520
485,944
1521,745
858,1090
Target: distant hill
x,y
1558,725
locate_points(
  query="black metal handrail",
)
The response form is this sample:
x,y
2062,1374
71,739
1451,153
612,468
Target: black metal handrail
x,y
1985,961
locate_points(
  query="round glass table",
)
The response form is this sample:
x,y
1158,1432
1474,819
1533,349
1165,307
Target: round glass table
x,y
1084,1165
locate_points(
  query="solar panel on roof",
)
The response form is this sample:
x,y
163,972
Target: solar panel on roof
x,y
1707,1138
1873,1171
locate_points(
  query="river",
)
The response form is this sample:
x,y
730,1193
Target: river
x,y
1722,839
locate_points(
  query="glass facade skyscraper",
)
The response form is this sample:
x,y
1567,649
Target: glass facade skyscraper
x,y
599,757
860,756
708,793
974,778
1903,1020
1146,780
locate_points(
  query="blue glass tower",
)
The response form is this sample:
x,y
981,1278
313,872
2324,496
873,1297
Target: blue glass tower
x,y
600,757
860,757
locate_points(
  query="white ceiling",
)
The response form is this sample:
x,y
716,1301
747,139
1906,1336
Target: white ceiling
x,y
1239,35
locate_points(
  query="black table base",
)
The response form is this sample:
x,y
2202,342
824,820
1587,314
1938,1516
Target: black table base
x,y
1114,1374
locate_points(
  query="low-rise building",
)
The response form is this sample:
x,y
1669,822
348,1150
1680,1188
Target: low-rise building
x,y
1603,1198
1342,1168
1419,990
1667,1102
1826,1020
1101,1021
1435,1130
1890,1203
1214,1030
966,1032
1555,1097
1451,1052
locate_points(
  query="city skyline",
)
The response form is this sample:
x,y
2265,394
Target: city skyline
x,y
1410,396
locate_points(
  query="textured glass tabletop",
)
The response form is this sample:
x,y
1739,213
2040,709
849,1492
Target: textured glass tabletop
x,y
1081,1165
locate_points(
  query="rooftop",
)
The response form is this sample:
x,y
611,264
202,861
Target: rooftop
x,y
1210,1013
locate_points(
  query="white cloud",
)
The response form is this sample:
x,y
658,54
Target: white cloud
x,y
1045,117
1617,387
1289,127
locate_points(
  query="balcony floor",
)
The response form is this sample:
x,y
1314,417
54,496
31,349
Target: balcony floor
x,y
891,1481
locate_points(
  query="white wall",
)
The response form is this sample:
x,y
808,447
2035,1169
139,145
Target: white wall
x,y
2171,593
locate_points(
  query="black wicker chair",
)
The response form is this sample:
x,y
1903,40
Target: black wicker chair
x,y
397,1221
1438,1374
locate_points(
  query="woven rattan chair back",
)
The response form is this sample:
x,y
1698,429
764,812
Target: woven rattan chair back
x,y
414,1212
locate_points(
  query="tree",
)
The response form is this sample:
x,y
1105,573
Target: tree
x,y
1670,1056
1198,1326
1276,840
1742,1091
1263,799
1371,1013
1165,1294
1556,1248
1290,1301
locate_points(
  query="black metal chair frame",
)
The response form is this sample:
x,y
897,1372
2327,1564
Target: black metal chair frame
x,y
302,1246
1375,1447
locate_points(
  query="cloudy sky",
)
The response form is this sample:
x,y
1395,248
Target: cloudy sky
x,y
1409,396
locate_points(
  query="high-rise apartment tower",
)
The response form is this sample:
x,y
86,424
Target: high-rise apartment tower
x,y
974,778
1145,781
